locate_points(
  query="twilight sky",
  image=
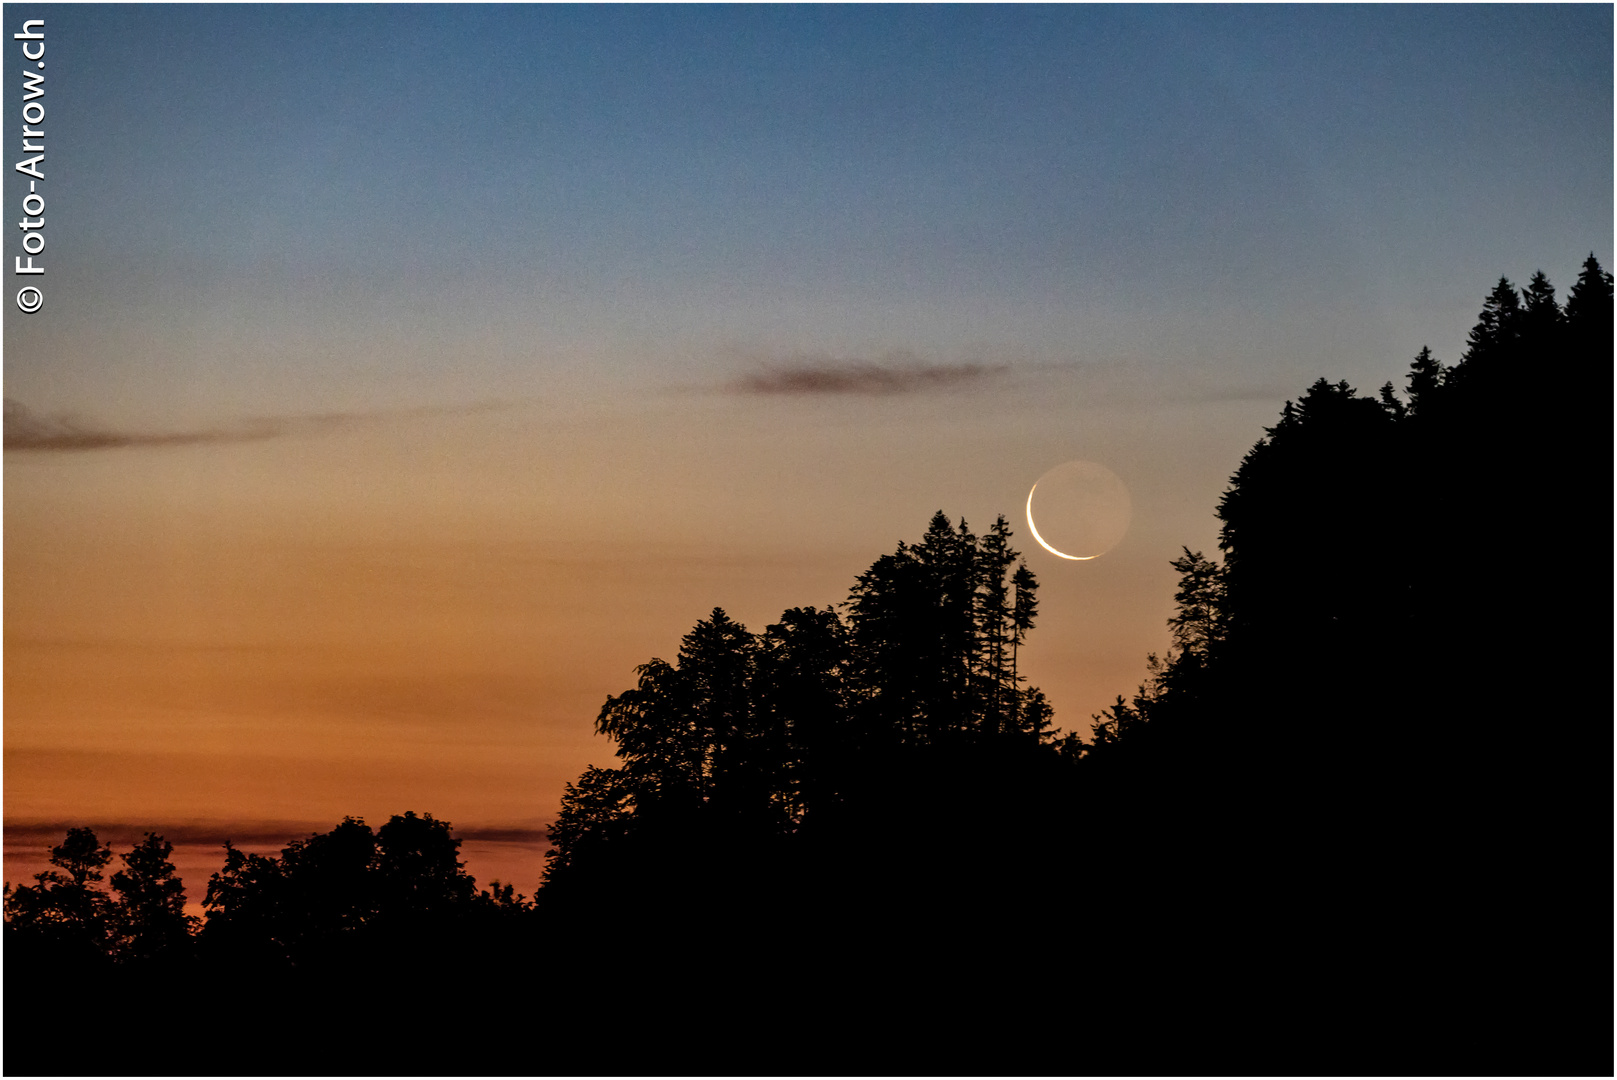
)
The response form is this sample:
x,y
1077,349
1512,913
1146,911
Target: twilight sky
x,y
407,375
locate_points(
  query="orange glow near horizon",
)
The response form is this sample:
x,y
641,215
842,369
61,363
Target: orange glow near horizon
x,y
424,616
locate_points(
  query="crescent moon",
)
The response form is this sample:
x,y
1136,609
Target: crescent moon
x,y
1040,539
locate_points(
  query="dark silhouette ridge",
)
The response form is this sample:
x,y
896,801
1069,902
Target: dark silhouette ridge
x,y
1357,713
1337,830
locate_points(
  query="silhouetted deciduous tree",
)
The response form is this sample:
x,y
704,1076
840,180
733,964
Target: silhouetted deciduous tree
x,y
149,920
596,815
63,911
418,868
329,885
332,893
244,908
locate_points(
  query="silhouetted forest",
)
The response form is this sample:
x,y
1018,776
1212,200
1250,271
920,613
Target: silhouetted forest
x,y
1356,819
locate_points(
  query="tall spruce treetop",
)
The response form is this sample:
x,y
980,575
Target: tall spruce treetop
x,y
1024,610
715,668
1541,318
1198,623
1498,325
934,634
1425,376
1589,303
913,618
1389,400
801,699
948,555
994,615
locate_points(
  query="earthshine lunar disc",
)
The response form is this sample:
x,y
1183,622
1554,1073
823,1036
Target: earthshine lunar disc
x,y
1082,510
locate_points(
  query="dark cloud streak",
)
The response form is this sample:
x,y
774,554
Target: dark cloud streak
x,y
26,430
42,835
45,834
814,375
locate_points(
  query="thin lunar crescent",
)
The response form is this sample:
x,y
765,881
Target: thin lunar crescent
x,y
1086,510
1040,539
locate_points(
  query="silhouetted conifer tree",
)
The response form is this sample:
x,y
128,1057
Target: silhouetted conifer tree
x,y
1541,317
995,629
889,610
1589,304
949,692
1115,725
1588,329
714,695
802,696
1390,402
1426,376
934,630
1492,342
1024,610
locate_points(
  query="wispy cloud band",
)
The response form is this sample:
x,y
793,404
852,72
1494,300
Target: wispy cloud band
x,y
42,835
898,374
27,430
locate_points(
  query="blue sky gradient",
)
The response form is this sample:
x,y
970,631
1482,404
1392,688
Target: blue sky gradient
x,y
658,182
